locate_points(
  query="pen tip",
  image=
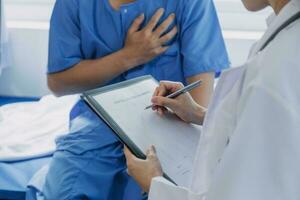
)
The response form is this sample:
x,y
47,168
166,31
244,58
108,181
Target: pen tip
x,y
148,107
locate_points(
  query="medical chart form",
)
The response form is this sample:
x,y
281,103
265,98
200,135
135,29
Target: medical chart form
x,y
175,141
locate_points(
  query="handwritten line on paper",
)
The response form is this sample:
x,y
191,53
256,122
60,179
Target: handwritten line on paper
x,y
130,98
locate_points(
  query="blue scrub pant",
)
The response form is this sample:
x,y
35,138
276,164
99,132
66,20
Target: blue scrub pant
x,y
89,163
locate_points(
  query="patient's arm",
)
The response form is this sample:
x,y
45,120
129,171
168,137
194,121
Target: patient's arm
x,y
89,74
202,95
141,46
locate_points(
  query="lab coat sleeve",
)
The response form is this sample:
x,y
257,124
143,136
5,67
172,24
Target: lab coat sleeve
x,y
162,189
262,159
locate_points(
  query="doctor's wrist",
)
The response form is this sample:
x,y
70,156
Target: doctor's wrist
x,y
199,115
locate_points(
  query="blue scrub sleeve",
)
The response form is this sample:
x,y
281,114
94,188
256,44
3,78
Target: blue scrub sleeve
x,y
64,39
202,44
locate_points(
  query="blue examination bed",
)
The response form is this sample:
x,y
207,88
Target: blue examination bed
x,y
14,176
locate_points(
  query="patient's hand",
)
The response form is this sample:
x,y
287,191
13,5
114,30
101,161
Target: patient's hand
x,y
141,46
143,171
183,106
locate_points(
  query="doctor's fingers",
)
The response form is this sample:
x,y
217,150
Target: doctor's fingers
x,y
162,110
160,91
168,87
155,92
165,88
136,24
165,102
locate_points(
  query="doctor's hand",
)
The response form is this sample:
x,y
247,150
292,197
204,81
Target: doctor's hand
x,y
141,46
143,171
183,106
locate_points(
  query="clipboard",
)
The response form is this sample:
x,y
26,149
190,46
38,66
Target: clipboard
x,y
90,98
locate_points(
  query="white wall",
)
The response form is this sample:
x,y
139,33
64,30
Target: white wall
x,y
28,23
27,75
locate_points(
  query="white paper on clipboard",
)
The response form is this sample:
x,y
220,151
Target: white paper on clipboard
x,y
175,141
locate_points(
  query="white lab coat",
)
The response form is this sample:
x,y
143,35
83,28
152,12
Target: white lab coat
x,y
250,145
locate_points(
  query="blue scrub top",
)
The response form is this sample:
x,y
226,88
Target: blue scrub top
x,y
92,29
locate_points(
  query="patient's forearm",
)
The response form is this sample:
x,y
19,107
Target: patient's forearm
x,y
89,74
202,95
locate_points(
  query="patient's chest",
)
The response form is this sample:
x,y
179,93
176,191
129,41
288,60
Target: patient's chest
x,y
104,29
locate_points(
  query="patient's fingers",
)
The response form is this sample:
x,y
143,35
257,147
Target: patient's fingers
x,y
167,37
136,24
155,19
165,25
160,50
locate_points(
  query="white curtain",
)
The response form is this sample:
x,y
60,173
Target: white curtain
x,y
4,53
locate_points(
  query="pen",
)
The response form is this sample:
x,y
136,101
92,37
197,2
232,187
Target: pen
x,y
181,91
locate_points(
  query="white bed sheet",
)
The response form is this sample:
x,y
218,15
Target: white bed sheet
x,y
29,130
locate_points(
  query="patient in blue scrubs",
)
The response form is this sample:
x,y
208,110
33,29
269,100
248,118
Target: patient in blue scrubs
x,y
99,42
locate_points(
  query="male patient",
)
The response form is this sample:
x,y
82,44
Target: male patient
x,y
99,42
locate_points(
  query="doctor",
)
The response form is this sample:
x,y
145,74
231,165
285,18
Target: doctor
x,y
249,148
